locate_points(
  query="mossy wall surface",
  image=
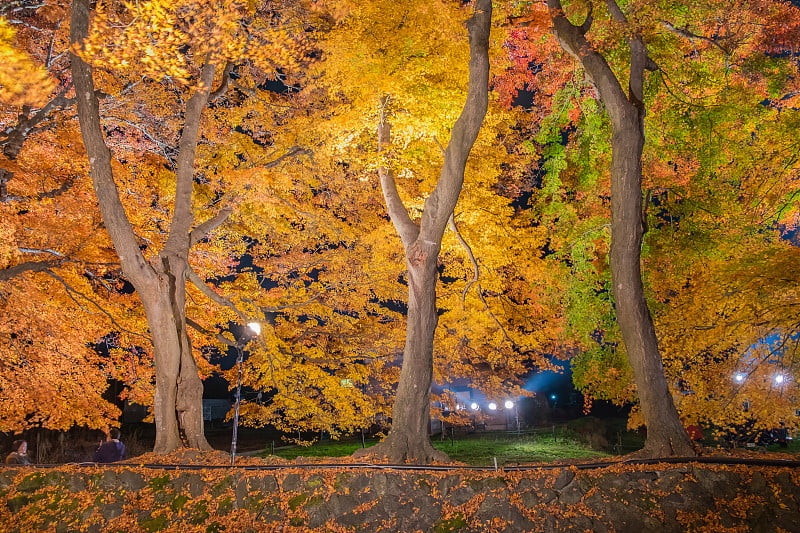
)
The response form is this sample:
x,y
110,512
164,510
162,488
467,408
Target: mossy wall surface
x,y
661,498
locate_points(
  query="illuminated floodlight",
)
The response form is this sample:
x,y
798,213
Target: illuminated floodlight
x,y
509,404
473,406
255,327
779,379
739,377
552,396
493,406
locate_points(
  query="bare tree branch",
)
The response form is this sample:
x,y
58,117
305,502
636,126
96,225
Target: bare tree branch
x,y
587,22
439,145
29,266
406,228
58,191
218,336
13,343
253,94
294,151
71,292
209,225
292,207
491,314
19,5
475,278
213,295
165,148
182,214
224,82
470,255
25,123
684,32
97,279
41,251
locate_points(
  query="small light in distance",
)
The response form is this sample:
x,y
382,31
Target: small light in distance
x,y
552,396
739,378
493,406
509,404
779,379
473,406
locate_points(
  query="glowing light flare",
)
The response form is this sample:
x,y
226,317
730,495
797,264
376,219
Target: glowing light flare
x,y
738,378
473,406
493,406
509,404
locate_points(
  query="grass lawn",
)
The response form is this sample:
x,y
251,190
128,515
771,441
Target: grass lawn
x,y
792,447
476,450
566,440
509,450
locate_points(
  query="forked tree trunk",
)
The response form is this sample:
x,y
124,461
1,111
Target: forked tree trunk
x,y
408,439
665,433
189,386
161,285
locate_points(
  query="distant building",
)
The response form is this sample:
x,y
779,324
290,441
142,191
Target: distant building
x,y
483,413
216,410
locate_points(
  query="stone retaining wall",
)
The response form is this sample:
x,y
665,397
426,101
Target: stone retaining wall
x,y
661,498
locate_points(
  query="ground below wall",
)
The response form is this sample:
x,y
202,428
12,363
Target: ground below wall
x,y
621,498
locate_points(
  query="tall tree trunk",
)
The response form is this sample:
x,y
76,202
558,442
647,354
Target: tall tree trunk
x,y
408,439
665,433
162,285
158,311
189,387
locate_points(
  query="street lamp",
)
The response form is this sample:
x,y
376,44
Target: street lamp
x,y
255,327
473,406
779,378
739,377
492,406
252,330
511,405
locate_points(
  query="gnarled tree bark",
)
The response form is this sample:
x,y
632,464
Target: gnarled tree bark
x,y
408,439
665,433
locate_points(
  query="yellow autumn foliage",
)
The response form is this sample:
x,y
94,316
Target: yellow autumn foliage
x,y
22,81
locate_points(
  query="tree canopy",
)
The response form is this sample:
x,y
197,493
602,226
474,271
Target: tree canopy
x,y
174,170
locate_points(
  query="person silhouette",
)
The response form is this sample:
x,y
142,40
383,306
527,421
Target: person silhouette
x,y
112,450
19,453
